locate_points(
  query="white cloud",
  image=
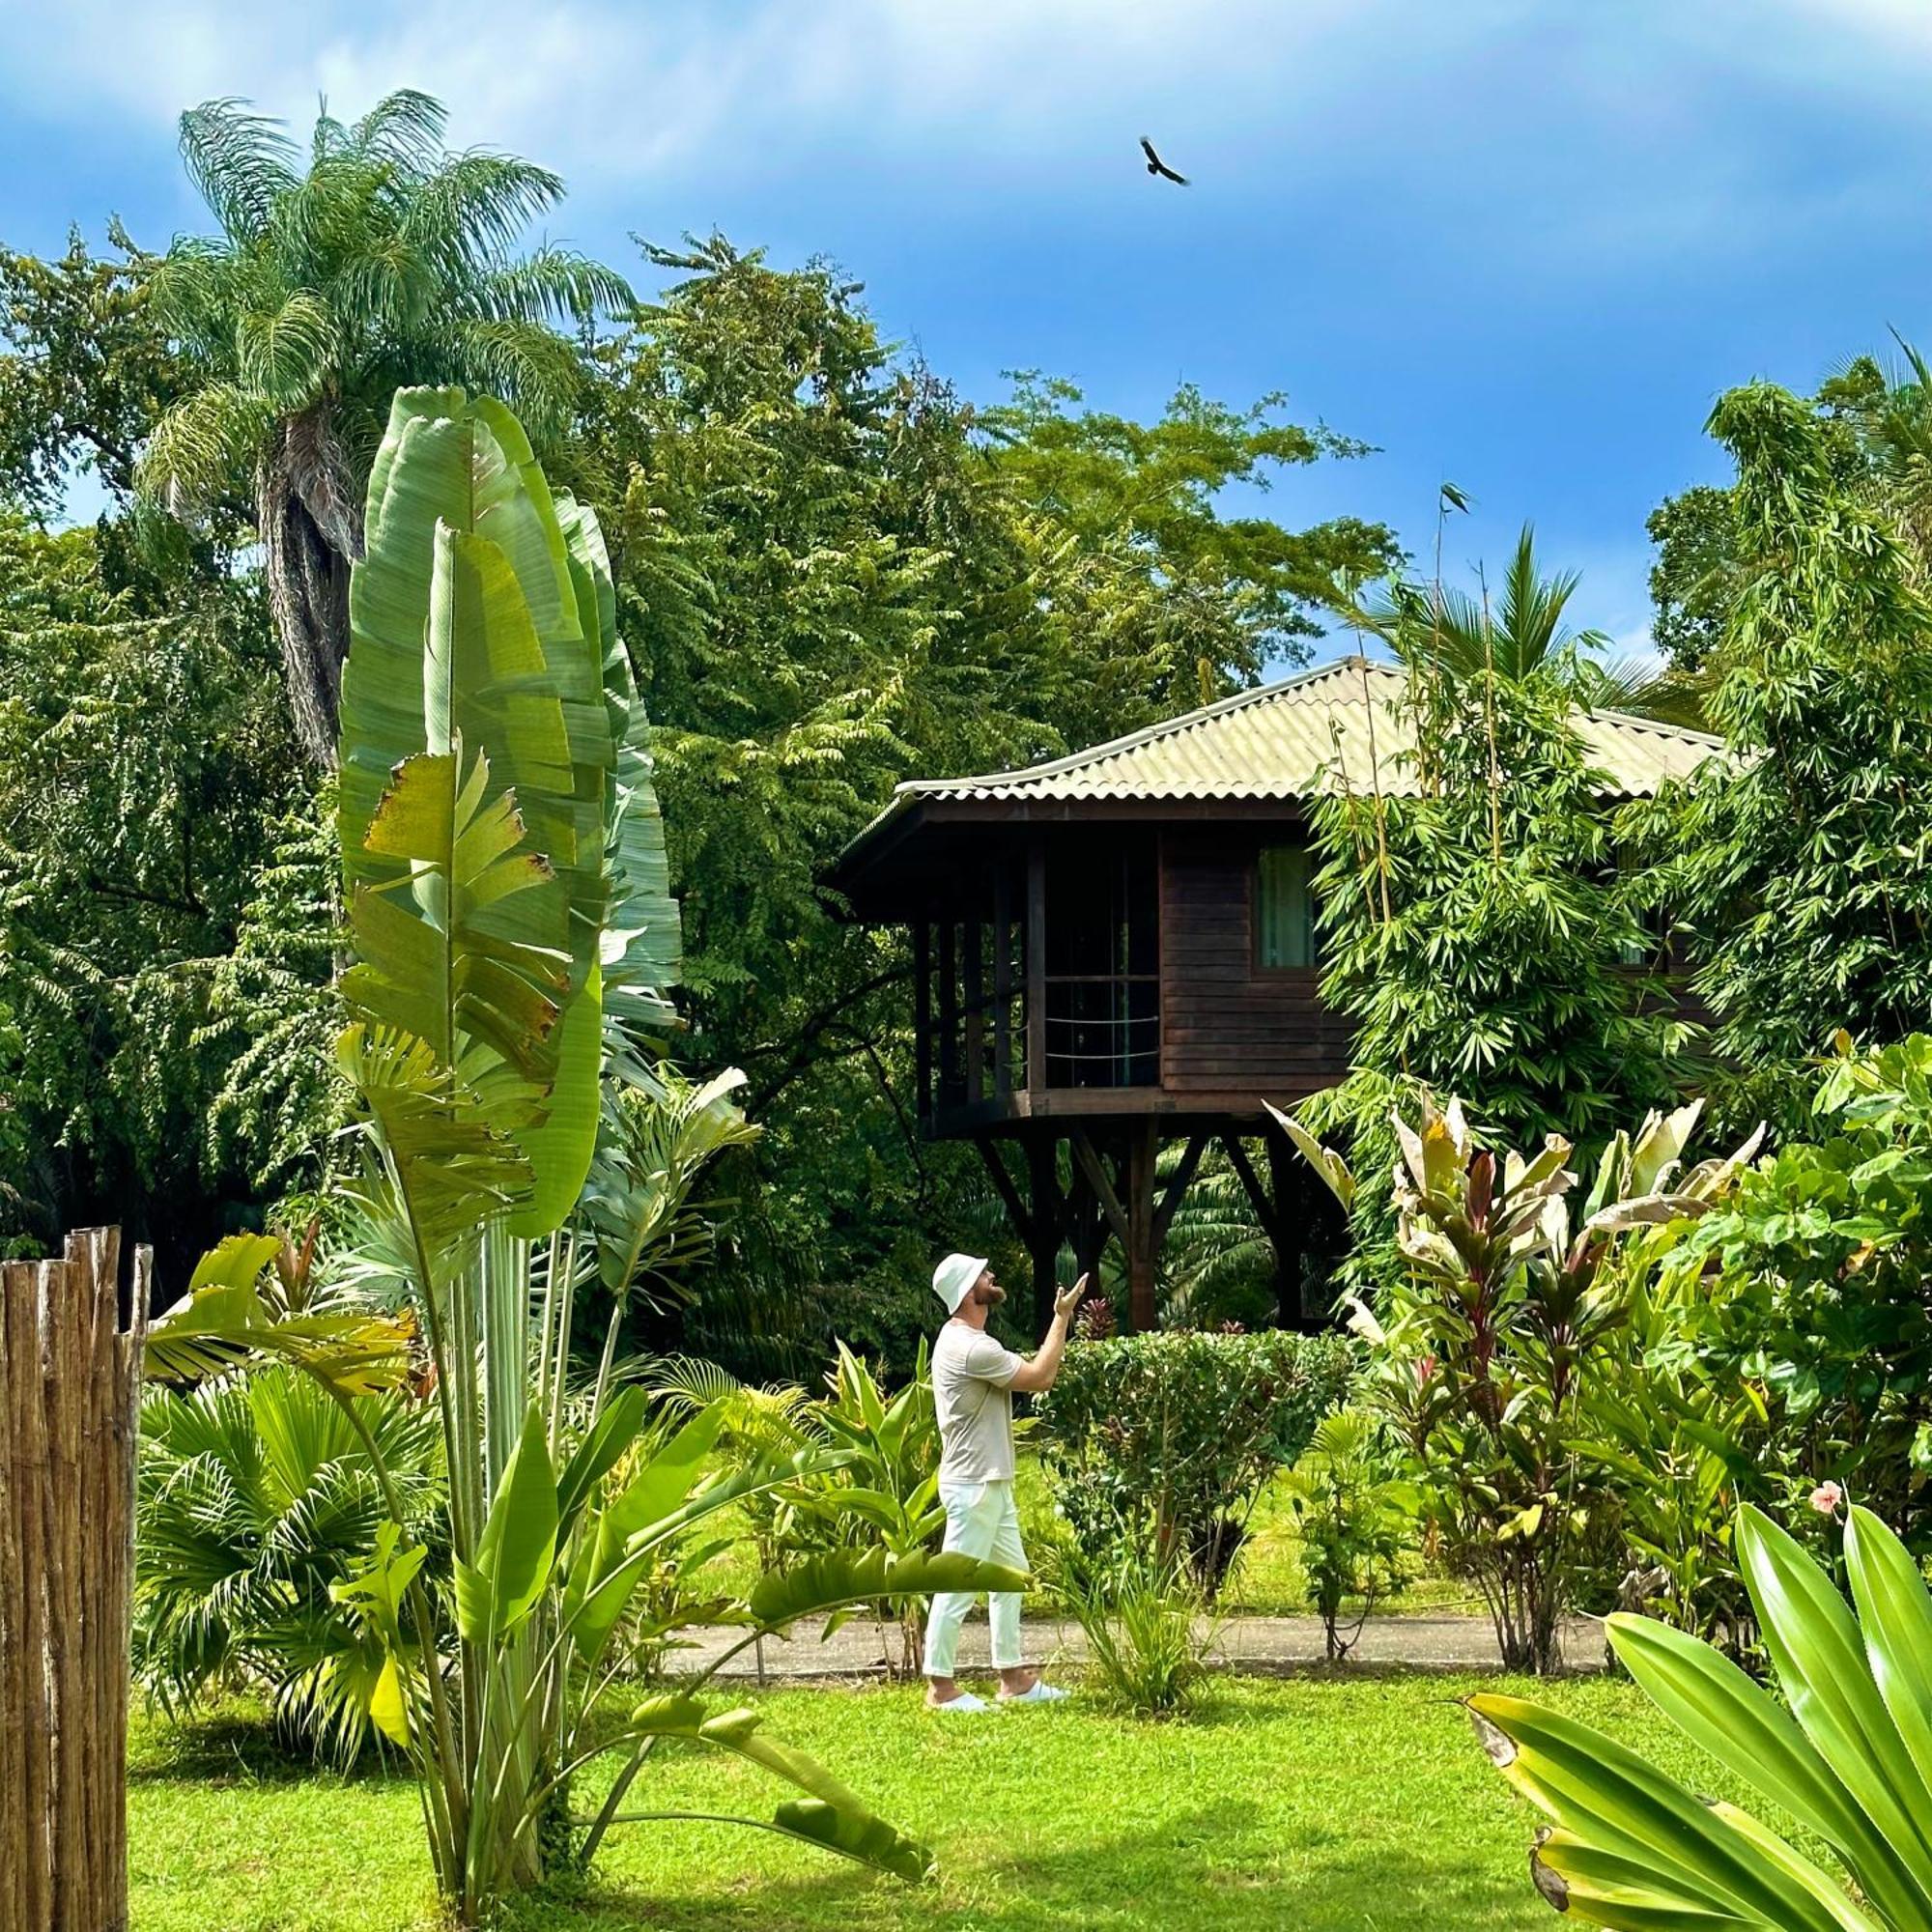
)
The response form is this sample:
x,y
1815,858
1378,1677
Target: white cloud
x,y
607,86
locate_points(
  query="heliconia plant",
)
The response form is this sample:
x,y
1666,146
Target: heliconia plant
x,y
514,933
1845,1757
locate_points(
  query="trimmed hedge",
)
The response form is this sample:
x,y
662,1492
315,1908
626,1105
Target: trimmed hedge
x,y
1175,1434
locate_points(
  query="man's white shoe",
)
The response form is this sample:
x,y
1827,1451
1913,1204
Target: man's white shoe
x,y
966,1701
1037,1691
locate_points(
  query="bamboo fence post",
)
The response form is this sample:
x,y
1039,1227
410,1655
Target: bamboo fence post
x,y
70,1395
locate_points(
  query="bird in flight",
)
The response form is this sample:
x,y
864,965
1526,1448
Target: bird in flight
x,y
1157,167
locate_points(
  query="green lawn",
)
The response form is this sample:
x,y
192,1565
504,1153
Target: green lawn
x,y
1309,1802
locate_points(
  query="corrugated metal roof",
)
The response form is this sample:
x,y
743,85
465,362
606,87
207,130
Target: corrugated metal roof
x,y
1317,732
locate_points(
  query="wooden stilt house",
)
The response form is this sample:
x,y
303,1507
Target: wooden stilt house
x,y
1117,949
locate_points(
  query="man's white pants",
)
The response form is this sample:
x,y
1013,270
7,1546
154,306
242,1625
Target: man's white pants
x,y
980,1520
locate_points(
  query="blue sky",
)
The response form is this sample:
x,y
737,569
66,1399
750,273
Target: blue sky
x,y
1519,243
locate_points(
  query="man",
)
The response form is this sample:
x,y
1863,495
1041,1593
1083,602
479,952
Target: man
x,y
973,1383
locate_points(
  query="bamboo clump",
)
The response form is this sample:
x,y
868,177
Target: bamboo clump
x,y
70,1393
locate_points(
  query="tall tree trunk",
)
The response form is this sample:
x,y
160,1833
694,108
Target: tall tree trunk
x,y
311,526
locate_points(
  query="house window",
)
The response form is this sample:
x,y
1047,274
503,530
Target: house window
x,y
1284,909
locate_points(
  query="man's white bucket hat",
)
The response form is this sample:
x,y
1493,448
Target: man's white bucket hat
x,y
953,1276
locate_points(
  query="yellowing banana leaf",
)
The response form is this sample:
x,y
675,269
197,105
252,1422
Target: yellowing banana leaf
x,y
224,1318
1755,1738
1609,1799
832,1816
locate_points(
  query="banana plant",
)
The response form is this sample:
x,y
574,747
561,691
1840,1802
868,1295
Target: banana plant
x,y
513,935
1846,1757
890,1488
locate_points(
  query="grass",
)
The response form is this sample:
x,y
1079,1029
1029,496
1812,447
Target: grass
x,y
1321,1802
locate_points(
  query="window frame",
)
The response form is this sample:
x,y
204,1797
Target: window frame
x,y
1257,963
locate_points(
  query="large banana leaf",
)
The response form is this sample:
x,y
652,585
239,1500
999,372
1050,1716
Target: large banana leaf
x,y
842,1578
832,1816
642,935
469,647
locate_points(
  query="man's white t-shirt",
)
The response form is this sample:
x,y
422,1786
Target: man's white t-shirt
x,y
971,1389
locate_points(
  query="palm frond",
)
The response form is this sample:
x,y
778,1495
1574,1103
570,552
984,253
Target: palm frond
x,y
406,128
239,163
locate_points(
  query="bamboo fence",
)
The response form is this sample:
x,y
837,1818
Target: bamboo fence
x,y
70,1391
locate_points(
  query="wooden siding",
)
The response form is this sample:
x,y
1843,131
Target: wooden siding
x,y
1226,1024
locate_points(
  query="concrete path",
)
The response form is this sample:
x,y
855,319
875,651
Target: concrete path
x,y
1260,1644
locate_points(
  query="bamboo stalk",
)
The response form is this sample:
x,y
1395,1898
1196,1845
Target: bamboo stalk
x,y
70,1386
14,1685
30,1478
62,1285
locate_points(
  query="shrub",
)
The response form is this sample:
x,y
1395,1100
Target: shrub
x,y
256,1500
1179,1432
1140,1612
1813,1281
1354,1533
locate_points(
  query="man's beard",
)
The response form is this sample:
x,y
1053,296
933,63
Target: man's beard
x,y
990,1297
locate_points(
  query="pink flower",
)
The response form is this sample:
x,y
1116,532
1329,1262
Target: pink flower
x,y
1827,1498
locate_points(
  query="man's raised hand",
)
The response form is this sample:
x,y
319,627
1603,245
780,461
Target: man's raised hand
x,y
1066,1299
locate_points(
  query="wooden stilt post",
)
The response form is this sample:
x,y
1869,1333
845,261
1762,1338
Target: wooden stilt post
x,y
1047,1225
1143,1246
1289,1230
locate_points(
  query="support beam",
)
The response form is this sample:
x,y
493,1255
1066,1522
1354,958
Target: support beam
x,y
1035,967
922,1019
1142,1245
1100,1183
1260,1197
1179,1182
1003,979
1022,1216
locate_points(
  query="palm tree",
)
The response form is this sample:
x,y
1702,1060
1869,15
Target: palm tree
x,y
257,1497
386,261
1520,637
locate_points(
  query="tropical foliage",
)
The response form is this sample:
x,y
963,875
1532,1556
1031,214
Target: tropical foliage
x,y
132,848
1173,1436
1802,1299
1798,873
1490,1338
1845,1758
258,1501
374,260
1474,929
